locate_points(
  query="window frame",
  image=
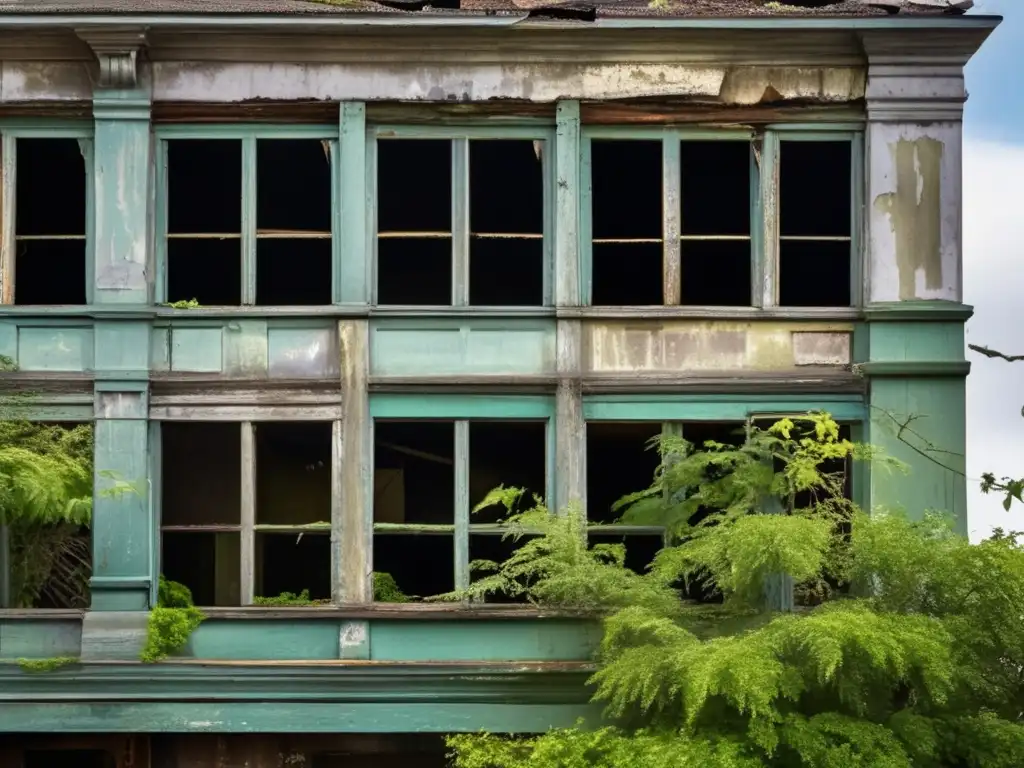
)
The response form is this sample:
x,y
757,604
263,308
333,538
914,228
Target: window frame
x,y
249,135
764,195
10,132
460,136
462,410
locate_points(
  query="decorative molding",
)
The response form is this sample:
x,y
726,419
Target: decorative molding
x,y
901,311
117,49
914,368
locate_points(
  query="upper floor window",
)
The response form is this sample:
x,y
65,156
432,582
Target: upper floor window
x,y
248,220
46,242
462,220
728,219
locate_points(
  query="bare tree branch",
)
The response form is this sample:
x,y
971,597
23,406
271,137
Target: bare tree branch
x,y
995,353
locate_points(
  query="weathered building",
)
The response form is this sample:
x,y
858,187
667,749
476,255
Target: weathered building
x,y
322,274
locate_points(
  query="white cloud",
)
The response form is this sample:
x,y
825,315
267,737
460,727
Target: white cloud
x,y
994,283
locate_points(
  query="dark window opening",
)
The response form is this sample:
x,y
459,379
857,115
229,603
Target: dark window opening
x,y
640,549
815,223
506,223
407,750
293,473
50,226
201,509
715,225
414,222
68,758
506,453
421,564
620,460
293,222
414,472
204,221
294,563
497,549
626,228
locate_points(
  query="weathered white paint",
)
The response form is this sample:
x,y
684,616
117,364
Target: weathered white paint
x,y
23,81
821,348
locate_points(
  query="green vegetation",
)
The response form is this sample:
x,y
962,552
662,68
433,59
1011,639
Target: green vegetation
x,y
905,649
46,665
386,590
184,304
289,598
171,622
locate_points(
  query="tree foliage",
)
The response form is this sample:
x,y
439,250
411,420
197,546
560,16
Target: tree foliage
x,y
908,649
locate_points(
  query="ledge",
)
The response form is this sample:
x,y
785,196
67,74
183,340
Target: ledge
x,y
900,311
912,368
393,612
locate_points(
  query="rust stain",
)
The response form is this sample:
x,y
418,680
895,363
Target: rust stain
x,y
915,213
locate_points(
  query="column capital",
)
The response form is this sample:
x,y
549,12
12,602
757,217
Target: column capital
x,y
915,93
117,50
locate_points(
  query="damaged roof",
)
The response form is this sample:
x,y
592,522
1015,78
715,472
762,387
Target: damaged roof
x,y
568,9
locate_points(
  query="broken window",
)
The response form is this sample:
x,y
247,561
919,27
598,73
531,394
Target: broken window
x,y
47,564
50,265
815,223
249,221
427,477
211,525
461,222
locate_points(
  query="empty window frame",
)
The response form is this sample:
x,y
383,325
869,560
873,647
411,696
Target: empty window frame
x,y
47,243
246,509
428,476
247,217
462,219
682,218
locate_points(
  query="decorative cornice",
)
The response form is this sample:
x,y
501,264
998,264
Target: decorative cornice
x,y
901,311
117,49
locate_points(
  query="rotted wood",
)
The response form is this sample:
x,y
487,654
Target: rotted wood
x,y
680,111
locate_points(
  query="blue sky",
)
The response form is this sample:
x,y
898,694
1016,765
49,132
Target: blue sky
x,y
993,274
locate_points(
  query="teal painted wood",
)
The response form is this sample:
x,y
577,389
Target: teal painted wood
x,y
5,571
249,220
334,151
121,526
89,156
122,347
9,339
245,131
263,640
449,346
435,716
715,407
390,131
45,639
46,128
155,499
160,218
916,341
400,406
527,640
353,269
370,222
568,292
245,348
121,178
655,133
584,245
299,353
858,253
765,272
786,133
51,348
160,350
822,128
461,511
196,350
757,250
460,222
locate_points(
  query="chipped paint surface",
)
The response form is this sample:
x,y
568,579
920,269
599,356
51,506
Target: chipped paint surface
x,y
914,213
712,346
756,85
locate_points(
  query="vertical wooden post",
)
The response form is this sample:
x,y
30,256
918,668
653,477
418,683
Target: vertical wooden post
x,y
460,222
462,574
672,256
354,263
248,513
5,567
356,525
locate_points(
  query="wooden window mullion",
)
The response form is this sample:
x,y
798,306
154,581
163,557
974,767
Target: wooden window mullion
x,y
248,244
671,220
460,222
766,272
248,513
462,575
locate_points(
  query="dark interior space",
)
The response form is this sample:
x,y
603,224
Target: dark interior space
x,y
201,475
50,202
626,192
68,758
204,561
814,202
293,473
414,472
513,454
392,750
204,200
506,223
620,460
640,549
293,562
421,564
414,221
293,222
715,204
497,549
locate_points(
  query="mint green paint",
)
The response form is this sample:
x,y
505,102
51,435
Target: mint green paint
x,y
434,715
296,353
245,348
88,149
530,639
160,218
155,500
196,350
122,346
246,130
9,339
570,276
468,347
264,640
55,349
857,165
121,525
121,177
160,350
395,406
916,341
248,220
715,407
352,266
932,311
28,639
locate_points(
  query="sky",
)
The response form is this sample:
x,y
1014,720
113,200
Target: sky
x,y
993,274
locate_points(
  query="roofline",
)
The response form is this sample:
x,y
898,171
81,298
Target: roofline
x,y
383,19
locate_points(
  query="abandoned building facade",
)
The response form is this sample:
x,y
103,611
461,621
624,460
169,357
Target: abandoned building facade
x,y
322,275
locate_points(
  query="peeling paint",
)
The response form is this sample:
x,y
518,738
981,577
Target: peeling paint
x,y
756,85
914,211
